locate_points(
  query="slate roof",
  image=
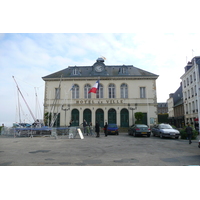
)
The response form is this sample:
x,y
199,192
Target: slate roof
x,y
109,71
178,96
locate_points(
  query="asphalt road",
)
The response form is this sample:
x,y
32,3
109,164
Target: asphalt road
x,y
121,150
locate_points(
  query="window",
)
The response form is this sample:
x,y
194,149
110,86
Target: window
x,y
75,71
192,91
99,93
123,70
111,91
188,94
190,78
124,91
193,107
195,90
142,92
75,92
194,76
187,81
86,90
57,93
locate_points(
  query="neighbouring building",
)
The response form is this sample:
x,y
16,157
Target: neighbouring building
x,y
176,108
191,91
124,90
162,110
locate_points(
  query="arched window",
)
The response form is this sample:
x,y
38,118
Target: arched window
x,y
111,91
99,93
86,90
124,91
75,92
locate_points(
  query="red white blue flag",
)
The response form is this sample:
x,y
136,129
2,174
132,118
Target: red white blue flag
x,y
94,88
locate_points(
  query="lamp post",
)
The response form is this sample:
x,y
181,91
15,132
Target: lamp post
x,y
131,108
65,109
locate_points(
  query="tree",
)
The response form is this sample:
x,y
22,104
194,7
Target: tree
x,y
138,117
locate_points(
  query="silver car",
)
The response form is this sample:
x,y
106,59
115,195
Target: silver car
x,y
165,130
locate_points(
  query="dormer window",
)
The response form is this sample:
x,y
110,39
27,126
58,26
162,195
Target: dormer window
x,y
123,70
75,71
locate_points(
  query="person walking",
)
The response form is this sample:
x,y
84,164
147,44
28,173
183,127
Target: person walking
x,y
97,129
189,133
84,126
105,129
91,129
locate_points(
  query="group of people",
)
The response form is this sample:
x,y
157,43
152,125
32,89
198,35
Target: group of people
x,y
88,128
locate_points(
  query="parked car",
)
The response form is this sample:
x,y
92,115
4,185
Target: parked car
x,y
112,129
165,130
139,129
199,144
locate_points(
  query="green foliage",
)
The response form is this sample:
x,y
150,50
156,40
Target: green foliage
x,y
138,117
47,118
184,134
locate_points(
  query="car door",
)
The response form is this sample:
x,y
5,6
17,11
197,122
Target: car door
x,y
155,130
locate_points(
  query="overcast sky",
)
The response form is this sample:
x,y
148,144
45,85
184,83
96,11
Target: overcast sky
x,y
158,37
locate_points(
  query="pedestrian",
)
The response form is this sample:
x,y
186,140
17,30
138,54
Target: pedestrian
x,y
105,129
87,129
84,126
70,123
97,129
91,128
189,133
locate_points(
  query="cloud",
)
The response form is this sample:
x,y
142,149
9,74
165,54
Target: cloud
x,y
31,56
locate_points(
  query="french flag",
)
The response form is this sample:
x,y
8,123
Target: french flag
x,y
94,88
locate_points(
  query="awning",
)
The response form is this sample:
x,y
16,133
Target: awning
x,y
196,119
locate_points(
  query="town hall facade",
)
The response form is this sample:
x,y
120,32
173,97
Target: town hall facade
x,y
123,90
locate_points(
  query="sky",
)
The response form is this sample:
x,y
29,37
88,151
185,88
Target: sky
x,y
29,57
40,39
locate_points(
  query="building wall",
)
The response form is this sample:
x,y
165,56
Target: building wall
x,y
146,105
190,93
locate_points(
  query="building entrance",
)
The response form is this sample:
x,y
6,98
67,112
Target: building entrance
x,y
112,116
124,116
100,117
75,117
87,115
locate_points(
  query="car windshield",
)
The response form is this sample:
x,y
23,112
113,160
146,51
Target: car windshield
x,y
112,125
142,126
165,126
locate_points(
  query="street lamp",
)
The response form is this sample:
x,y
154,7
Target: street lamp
x,y
65,109
131,108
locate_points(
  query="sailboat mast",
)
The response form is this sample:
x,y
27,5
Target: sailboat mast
x,y
25,101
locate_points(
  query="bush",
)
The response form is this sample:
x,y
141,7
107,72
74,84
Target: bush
x,y
184,134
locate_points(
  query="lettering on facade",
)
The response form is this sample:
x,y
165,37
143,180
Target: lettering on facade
x,y
111,101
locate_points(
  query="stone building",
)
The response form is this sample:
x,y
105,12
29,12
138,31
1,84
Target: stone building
x,y
124,90
191,91
176,108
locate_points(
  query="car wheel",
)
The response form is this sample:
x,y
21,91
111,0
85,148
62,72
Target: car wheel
x,y
134,134
161,135
177,137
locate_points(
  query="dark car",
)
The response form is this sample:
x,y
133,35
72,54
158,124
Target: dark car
x,y
199,144
112,129
139,130
165,130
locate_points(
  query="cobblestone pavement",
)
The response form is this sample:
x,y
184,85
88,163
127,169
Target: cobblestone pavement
x,y
121,150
